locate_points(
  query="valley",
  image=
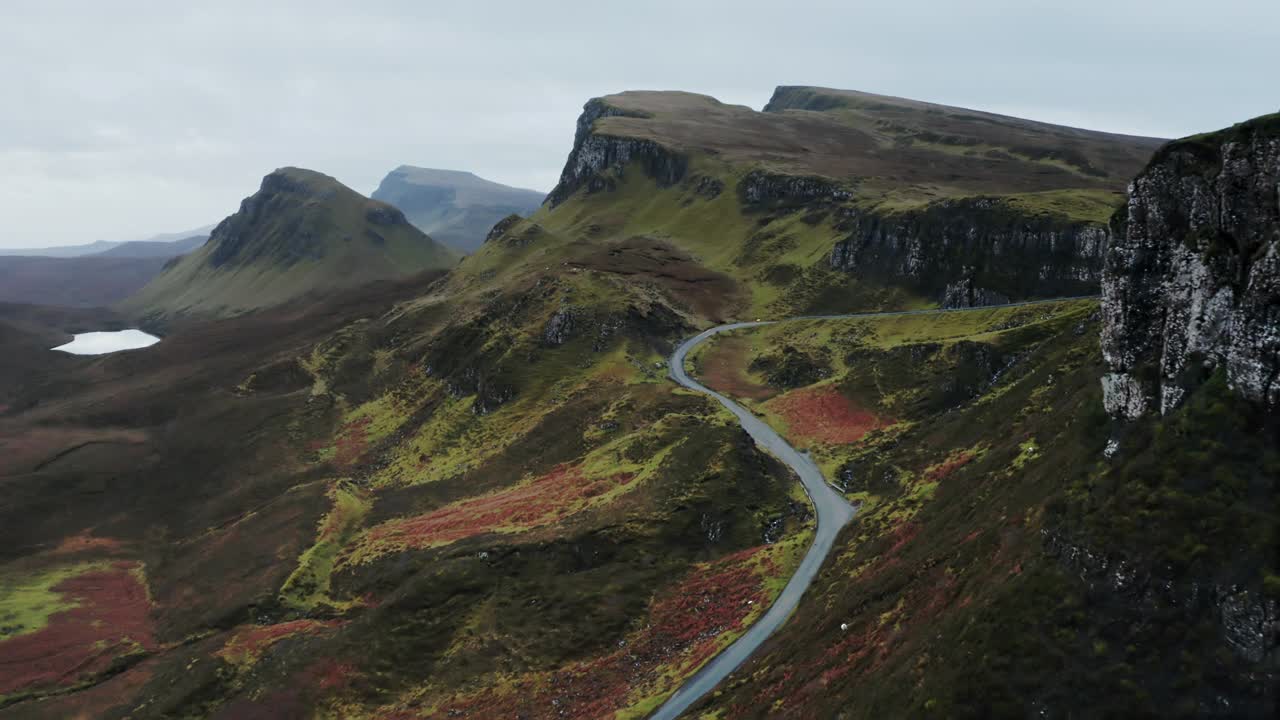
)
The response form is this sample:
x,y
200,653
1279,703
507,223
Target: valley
x,y
853,407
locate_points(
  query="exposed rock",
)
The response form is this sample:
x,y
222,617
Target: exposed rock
x,y
1248,622
501,227
768,188
975,251
593,154
1192,280
559,328
962,294
708,187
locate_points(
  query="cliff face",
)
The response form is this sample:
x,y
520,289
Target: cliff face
x,y
1192,279
593,154
972,252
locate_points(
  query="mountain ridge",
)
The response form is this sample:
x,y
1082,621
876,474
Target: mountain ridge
x,y
301,232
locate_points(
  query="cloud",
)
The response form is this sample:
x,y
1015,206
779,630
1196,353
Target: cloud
x,y
129,118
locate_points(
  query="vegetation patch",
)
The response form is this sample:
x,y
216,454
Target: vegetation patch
x,y
555,496
71,625
684,628
822,414
309,584
248,644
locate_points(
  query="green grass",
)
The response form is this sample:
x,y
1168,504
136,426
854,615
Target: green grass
x,y
28,601
309,585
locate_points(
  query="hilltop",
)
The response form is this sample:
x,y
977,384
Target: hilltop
x,y
456,208
302,232
864,202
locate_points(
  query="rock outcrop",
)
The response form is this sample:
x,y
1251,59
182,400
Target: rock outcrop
x,y
1192,279
596,155
770,188
975,251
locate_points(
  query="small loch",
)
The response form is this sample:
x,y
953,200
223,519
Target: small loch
x,y
102,343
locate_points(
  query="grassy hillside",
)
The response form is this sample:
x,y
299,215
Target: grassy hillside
x,y
862,202
890,152
1003,557
456,495
301,233
476,494
456,208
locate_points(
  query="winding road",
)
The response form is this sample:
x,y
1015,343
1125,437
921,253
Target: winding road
x,y
833,511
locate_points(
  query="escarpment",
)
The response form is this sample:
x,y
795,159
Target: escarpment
x,y
1192,279
974,252
957,207
594,154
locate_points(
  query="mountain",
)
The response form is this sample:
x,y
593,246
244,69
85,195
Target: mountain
x,y
478,493
156,248
92,248
93,279
833,199
85,281
102,246
302,232
457,208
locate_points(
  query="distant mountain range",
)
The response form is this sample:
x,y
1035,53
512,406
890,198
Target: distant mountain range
x,y
162,245
157,248
454,207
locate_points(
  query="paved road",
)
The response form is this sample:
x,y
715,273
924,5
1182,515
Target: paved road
x,y
832,509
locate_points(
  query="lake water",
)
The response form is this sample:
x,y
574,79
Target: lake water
x,y
101,343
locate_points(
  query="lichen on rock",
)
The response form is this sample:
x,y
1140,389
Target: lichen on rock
x,y
1192,279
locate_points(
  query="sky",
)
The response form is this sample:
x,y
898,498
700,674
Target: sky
x,y
127,119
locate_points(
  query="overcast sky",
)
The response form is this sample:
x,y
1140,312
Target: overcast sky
x,y
126,119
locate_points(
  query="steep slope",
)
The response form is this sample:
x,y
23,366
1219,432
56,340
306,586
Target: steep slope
x,y
456,208
88,281
816,209
301,233
156,248
1020,552
1194,276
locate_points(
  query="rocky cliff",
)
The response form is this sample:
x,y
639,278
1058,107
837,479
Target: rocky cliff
x,y
1192,280
595,154
976,251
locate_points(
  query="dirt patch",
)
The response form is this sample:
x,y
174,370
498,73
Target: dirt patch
x,y
110,620
708,293
723,367
824,415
